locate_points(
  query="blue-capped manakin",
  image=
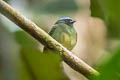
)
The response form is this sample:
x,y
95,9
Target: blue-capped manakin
x,y
64,32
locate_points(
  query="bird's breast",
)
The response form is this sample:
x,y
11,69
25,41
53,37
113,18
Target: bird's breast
x,y
65,35
68,39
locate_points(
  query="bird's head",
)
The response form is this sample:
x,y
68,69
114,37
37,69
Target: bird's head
x,y
66,20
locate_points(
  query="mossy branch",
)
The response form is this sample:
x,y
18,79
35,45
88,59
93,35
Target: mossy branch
x,y
40,35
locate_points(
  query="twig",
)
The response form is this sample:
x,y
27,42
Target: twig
x,y
40,35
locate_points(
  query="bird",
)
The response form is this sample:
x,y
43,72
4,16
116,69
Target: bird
x,y
64,32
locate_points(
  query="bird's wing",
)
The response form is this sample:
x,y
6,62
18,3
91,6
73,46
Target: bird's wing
x,y
52,30
58,32
58,28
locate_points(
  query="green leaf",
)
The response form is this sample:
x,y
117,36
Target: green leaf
x,y
25,40
110,68
109,11
42,66
96,9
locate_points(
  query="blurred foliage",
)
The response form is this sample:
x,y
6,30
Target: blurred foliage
x,y
25,40
96,9
53,6
110,68
109,10
42,66
9,61
37,65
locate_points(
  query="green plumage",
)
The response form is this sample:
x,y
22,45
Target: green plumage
x,y
64,32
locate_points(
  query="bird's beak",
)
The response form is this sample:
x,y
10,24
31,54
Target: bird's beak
x,y
73,21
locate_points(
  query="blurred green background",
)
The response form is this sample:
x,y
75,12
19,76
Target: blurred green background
x,y
21,56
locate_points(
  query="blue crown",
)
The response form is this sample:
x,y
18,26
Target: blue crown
x,y
65,18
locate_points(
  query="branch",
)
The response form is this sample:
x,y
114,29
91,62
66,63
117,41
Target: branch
x,y
40,35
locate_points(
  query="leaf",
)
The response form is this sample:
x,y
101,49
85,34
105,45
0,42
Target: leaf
x,y
109,11
110,68
96,9
42,66
25,40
